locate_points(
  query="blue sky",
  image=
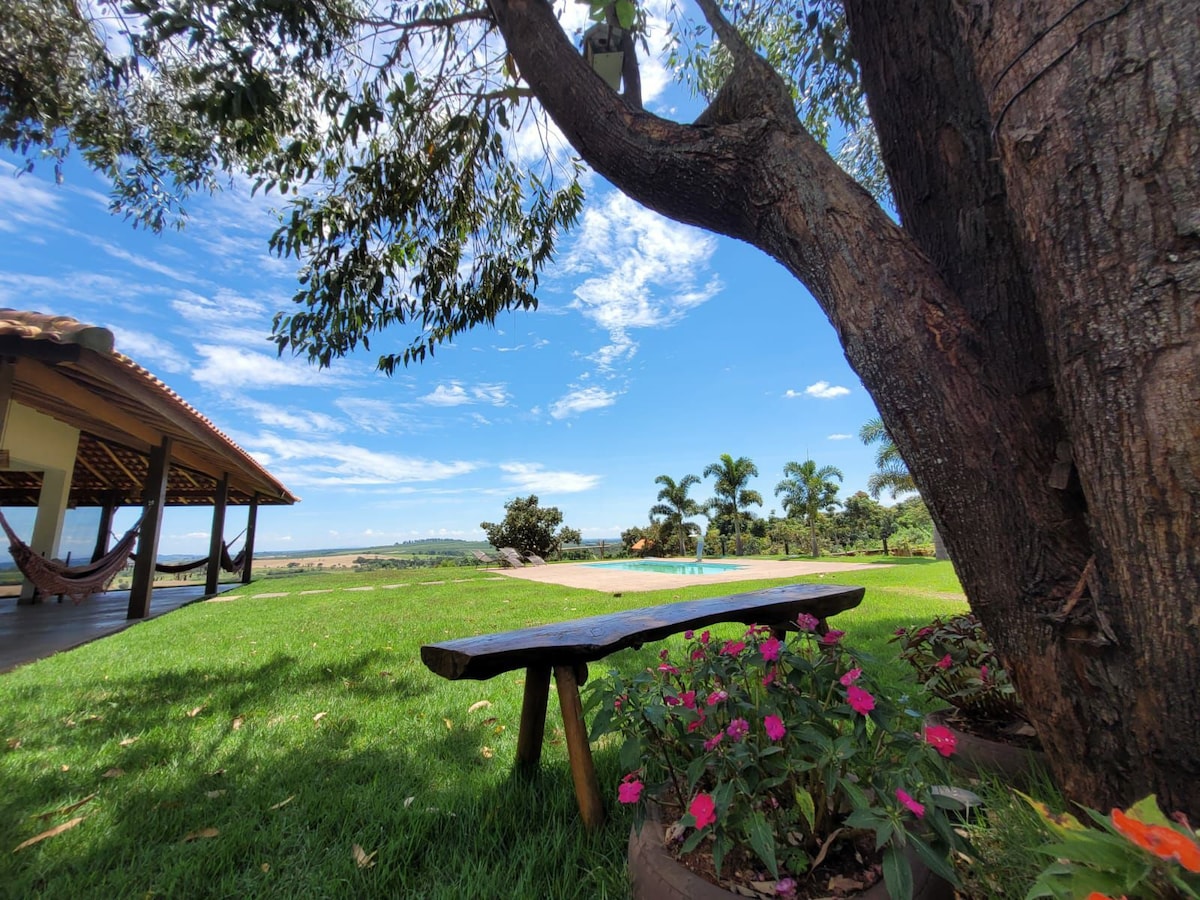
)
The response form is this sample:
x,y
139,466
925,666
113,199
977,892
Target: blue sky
x,y
656,348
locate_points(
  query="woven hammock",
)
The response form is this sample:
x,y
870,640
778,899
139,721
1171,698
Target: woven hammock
x,y
76,582
232,565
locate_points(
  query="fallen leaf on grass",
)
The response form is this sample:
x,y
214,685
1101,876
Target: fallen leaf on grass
x,y
498,729
282,803
486,752
213,795
237,722
839,882
266,867
14,743
319,716
113,773
192,713
449,724
362,858
482,704
53,832
408,801
216,774
490,720
201,834
129,741
62,811
65,767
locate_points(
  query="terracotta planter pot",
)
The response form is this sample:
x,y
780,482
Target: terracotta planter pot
x,y
655,875
975,755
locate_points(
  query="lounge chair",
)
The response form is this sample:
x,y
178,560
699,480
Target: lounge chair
x,y
486,558
534,559
511,557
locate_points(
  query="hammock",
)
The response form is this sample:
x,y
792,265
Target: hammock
x,y
232,565
76,582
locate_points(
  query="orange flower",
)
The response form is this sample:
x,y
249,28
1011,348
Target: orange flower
x,y
1096,895
1164,842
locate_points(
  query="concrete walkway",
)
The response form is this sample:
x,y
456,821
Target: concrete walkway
x,y
29,633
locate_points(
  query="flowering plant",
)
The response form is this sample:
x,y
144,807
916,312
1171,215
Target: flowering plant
x,y
780,755
1136,854
956,662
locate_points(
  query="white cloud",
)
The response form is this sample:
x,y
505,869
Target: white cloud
x,y
582,400
228,368
304,421
375,416
26,201
823,390
533,477
300,463
839,437
148,350
640,271
455,394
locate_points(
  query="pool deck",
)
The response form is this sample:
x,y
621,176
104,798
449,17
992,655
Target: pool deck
x,y
587,575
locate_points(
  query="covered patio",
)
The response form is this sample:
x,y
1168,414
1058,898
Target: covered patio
x,y
82,425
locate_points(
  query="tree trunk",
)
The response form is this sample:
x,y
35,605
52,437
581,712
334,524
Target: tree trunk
x,y
1028,335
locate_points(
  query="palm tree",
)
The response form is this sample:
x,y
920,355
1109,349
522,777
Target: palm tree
x,y
675,504
892,474
806,491
732,494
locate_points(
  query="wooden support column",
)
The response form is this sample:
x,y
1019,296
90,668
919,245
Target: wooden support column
x,y
583,770
105,528
251,523
533,718
154,499
217,541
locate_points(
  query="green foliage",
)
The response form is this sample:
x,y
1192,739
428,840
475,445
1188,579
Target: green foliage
x,y
1137,853
732,495
793,743
892,472
529,528
675,505
955,661
807,491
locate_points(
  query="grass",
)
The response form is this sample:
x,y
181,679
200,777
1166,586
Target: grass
x,y
245,747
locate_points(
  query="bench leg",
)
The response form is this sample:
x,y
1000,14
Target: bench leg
x,y
533,718
583,772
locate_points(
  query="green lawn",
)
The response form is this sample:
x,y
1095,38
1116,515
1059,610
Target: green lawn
x,y
244,748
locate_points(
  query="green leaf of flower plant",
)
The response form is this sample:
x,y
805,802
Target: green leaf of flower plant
x,y
762,840
1147,810
897,874
936,862
808,811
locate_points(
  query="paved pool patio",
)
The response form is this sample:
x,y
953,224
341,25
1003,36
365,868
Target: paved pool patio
x,y
599,578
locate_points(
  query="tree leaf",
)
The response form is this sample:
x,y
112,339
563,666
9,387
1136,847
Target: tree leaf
x,y
319,716
282,803
481,704
195,711
237,723
363,859
201,834
113,773
52,832
65,810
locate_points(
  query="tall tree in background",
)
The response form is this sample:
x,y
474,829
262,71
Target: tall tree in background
x,y
675,506
806,491
732,475
529,528
1028,331
891,473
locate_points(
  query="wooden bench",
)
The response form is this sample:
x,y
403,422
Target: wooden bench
x,y
565,648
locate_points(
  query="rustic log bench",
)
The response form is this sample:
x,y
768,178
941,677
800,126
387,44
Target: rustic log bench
x,y
567,647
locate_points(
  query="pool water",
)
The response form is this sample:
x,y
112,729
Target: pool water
x,y
667,567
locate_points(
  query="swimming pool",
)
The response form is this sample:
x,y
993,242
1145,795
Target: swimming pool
x,y
667,567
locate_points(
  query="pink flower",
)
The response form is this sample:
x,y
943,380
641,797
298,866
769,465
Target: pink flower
x,y
983,673
688,699
914,807
860,701
770,676
716,697
774,727
692,726
698,653
807,622
770,648
733,648
670,701
668,668
617,702
738,729
785,887
689,634
703,810
664,653
630,791
831,637
941,739
704,638
850,677
712,742
899,632
945,662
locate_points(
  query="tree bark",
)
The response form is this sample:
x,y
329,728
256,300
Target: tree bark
x,y
1029,334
